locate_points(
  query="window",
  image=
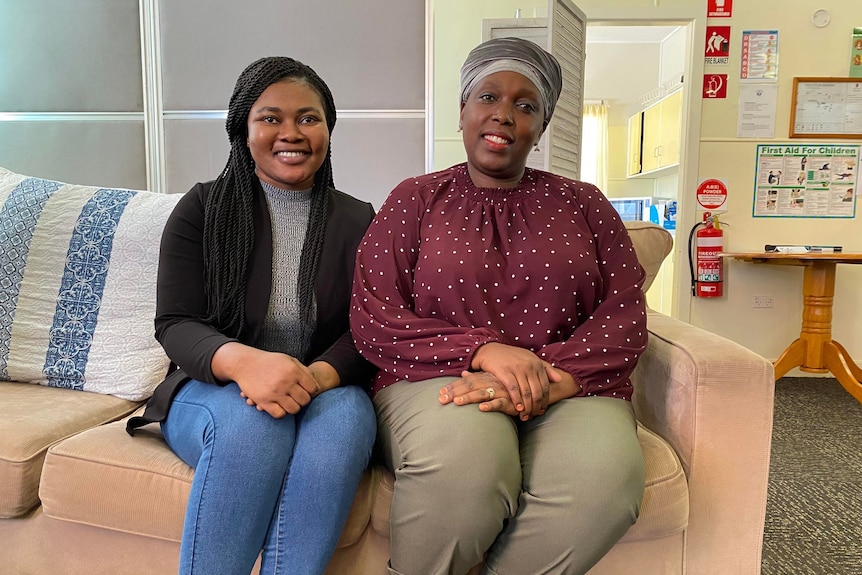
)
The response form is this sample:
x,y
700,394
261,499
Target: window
x,y
594,145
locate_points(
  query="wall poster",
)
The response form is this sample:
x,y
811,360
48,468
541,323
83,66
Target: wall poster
x,y
856,53
759,56
826,107
806,180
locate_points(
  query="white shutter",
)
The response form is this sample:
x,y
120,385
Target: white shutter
x,y
563,34
567,41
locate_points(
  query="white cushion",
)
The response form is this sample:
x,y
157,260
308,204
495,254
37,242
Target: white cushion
x,y
78,271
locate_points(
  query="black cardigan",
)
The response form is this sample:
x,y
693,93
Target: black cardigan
x,y
181,302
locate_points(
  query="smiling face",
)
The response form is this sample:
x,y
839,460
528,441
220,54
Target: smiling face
x,y
287,135
502,121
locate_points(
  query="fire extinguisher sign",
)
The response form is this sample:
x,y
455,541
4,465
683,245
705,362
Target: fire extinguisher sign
x,y
712,195
719,8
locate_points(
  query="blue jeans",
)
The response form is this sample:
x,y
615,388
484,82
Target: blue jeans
x,y
284,486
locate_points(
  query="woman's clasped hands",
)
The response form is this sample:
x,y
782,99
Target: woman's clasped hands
x,y
508,379
276,383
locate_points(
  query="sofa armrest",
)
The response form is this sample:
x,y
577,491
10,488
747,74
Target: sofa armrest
x,y
712,400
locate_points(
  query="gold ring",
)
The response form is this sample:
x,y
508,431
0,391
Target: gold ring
x,y
490,391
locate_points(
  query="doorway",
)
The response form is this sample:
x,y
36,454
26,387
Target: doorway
x,y
630,70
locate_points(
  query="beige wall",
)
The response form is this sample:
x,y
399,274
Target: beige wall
x,y
712,150
804,50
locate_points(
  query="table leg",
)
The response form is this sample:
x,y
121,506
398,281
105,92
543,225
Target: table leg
x,y
818,290
792,357
815,350
855,371
842,367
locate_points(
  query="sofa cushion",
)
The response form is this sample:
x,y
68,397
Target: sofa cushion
x,y
106,478
78,285
664,509
31,420
89,478
652,244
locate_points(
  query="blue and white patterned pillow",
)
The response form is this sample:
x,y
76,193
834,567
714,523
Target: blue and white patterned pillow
x,y
78,271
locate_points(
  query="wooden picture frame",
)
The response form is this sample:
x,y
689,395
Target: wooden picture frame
x,y
819,108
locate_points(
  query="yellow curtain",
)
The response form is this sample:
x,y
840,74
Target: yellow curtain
x,y
594,145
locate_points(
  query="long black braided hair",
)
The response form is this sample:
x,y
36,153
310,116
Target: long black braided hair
x,y
228,216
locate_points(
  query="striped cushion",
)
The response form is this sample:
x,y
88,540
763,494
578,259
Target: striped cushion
x,y
78,286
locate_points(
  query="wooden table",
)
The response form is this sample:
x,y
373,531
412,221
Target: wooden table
x,y
815,351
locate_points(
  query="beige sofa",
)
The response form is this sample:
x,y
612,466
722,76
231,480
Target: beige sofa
x,y
80,496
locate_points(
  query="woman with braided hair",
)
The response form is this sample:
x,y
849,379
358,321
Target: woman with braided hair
x,y
267,400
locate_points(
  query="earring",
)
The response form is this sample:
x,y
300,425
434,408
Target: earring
x,y
536,147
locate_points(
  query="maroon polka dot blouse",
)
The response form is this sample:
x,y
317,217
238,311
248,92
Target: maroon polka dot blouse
x,y
548,266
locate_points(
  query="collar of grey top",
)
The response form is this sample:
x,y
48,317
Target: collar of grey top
x,y
299,194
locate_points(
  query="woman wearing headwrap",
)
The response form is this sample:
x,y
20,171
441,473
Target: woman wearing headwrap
x,y
268,402
504,308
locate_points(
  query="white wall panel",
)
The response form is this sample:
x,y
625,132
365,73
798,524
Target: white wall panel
x,y
370,53
70,56
108,154
72,96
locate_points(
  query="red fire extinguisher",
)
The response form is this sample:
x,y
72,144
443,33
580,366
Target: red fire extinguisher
x,y
707,275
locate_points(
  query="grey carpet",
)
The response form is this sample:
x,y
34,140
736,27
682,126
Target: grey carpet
x,y
814,506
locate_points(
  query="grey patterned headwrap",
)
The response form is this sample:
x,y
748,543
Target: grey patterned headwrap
x,y
514,55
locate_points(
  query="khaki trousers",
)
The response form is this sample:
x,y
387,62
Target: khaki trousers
x,y
550,495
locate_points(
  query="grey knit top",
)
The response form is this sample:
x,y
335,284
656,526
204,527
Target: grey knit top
x,y
289,212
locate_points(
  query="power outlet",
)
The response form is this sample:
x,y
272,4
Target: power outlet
x,y
762,301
